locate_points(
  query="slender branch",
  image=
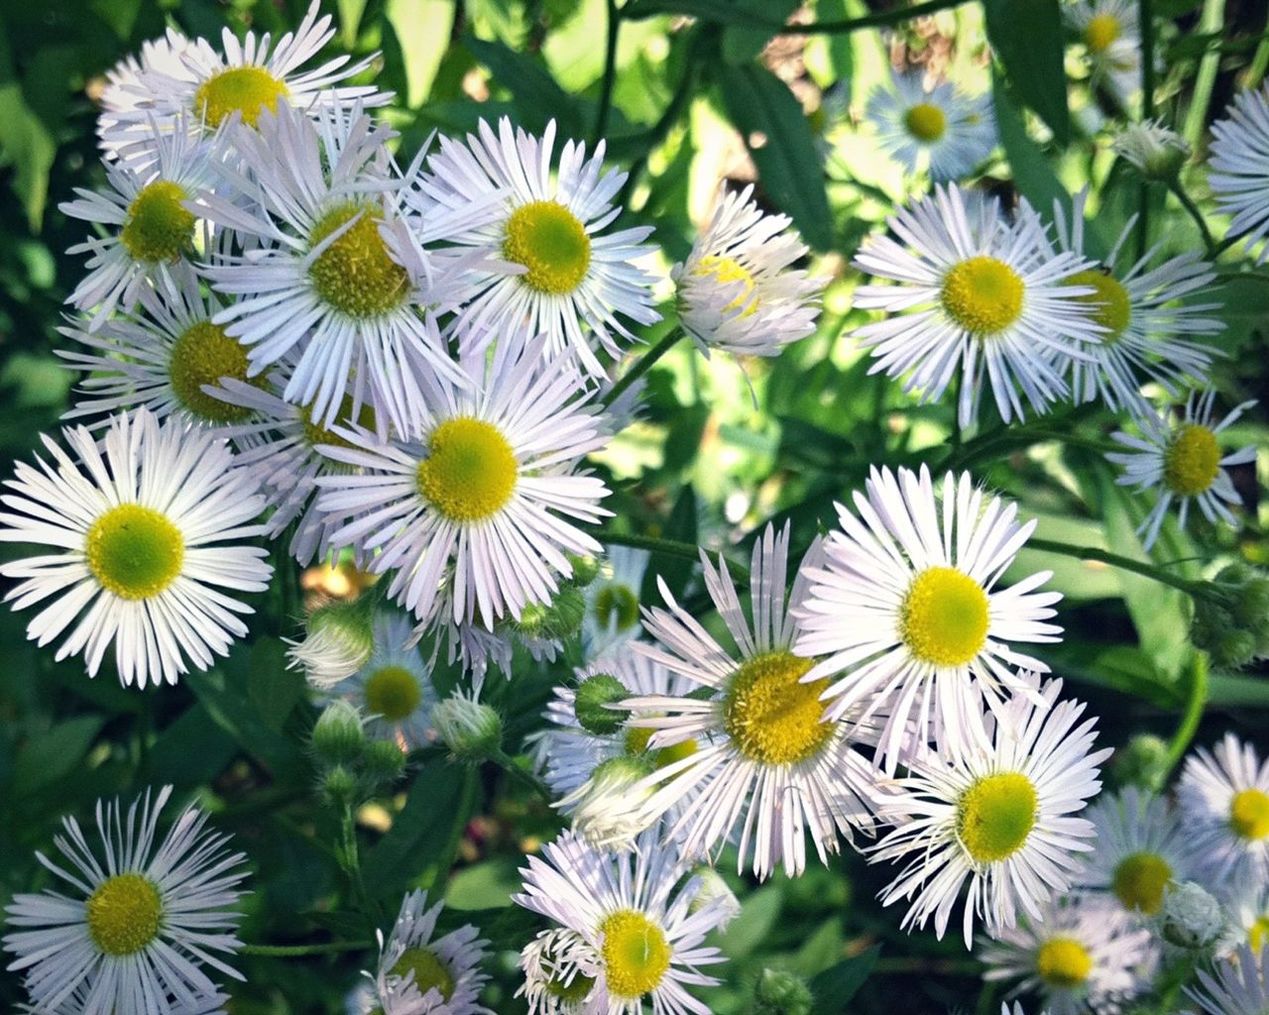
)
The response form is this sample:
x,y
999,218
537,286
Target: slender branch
x,y
891,17
667,342
1195,213
526,778
1147,111
670,547
1193,714
1211,20
299,951
1096,553
610,74
350,859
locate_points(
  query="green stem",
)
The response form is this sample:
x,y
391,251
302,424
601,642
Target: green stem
x,y
525,777
1212,20
1193,714
668,342
299,951
670,547
1147,111
1096,553
1196,214
610,73
350,860
647,10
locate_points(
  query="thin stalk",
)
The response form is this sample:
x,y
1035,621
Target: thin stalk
x,y
1196,214
668,342
610,74
839,27
1210,21
1147,111
526,778
299,951
1140,567
1193,714
670,547
350,860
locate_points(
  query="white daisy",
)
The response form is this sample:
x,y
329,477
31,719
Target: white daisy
x,y
1235,986
633,912
126,93
550,263
994,809
1111,35
974,294
145,223
762,762
1148,330
1157,152
340,279
940,129
473,519
1080,955
1224,799
737,291
393,688
140,921
560,970
1239,166
421,976
907,608
144,537
202,88
1141,851
1247,909
1182,459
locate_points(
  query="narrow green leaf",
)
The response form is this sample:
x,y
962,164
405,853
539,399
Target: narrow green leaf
x,y
27,146
423,30
758,914
1028,38
48,756
538,98
273,689
838,984
350,12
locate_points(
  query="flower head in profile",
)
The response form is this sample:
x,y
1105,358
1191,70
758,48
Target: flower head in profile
x,y
1157,152
1224,799
560,970
737,290
939,129
145,532
137,919
127,93
1238,173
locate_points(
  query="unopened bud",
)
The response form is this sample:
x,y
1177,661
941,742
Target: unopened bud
x,y
616,607
338,640
338,735
383,762
606,807
585,570
1156,152
1231,622
713,890
1142,762
590,704
340,785
1191,917
780,992
470,729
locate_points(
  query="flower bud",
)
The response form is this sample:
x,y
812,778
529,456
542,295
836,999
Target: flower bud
x,y
383,762
779,992
340,785
713,889
1157,152
470,729
1231,622
1142,762
339,638
590,704
606,807
585,570
1191,918
338,735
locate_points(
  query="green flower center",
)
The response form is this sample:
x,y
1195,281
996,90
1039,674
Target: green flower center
x,y
995,816
925,122
1249,814
203,355
551,242
615,602
636,953
983,295
1100,32
392,692
246,90
124,914
1140,880
944,617
356,274
1112,307
1191,461
770,715
470,471
134,551
429,971
158,226
1063,962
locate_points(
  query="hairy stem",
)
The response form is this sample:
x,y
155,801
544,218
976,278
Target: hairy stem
x,y
645,363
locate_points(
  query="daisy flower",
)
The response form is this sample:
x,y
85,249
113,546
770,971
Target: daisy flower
x,y
994,809
755,750
146,222
1247,907
1157,152
1235,986
126,92
977,294
941,128
1112,43
1182,460
632,912
1080,955
165,357
1237,167
393,688
612,599
421,976
473,518
339,279
194,88
560,970
1224,799
736,290
1148,330
906,607
140,921
1141,851
144,536
550,264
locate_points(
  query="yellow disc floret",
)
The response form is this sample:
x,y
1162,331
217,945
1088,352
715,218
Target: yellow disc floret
x,y
246,90
1249,814
158,226
1100,32
1258,933
995,816
944,617
925,122
470,471
728,270
551,242
134,551
770,715
392,692
202,356
1191,461
983,295
1063,962
1112,307
1140,880
635,951
124,914
429,971
356,274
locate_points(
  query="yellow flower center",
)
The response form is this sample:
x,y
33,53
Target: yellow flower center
x,y
134,551
1256,933
636,953
246,90
158,226
1063,962
551,242
429,971
1112,307
770,715
1249,814
356,274
944,617
392,692
1191,461
617,603
995,816
728,270
1100,32
124,914
470,471
925,122
203,355
637,738
983,295
1139,881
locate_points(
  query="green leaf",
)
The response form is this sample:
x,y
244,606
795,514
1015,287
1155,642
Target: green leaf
x,y
191,750
1246,310
725,12
231,709
273,689
423,30
742,43
838,984
1028,38
48,756
350,12
537,96
27,146
757,916
763,109
486,885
